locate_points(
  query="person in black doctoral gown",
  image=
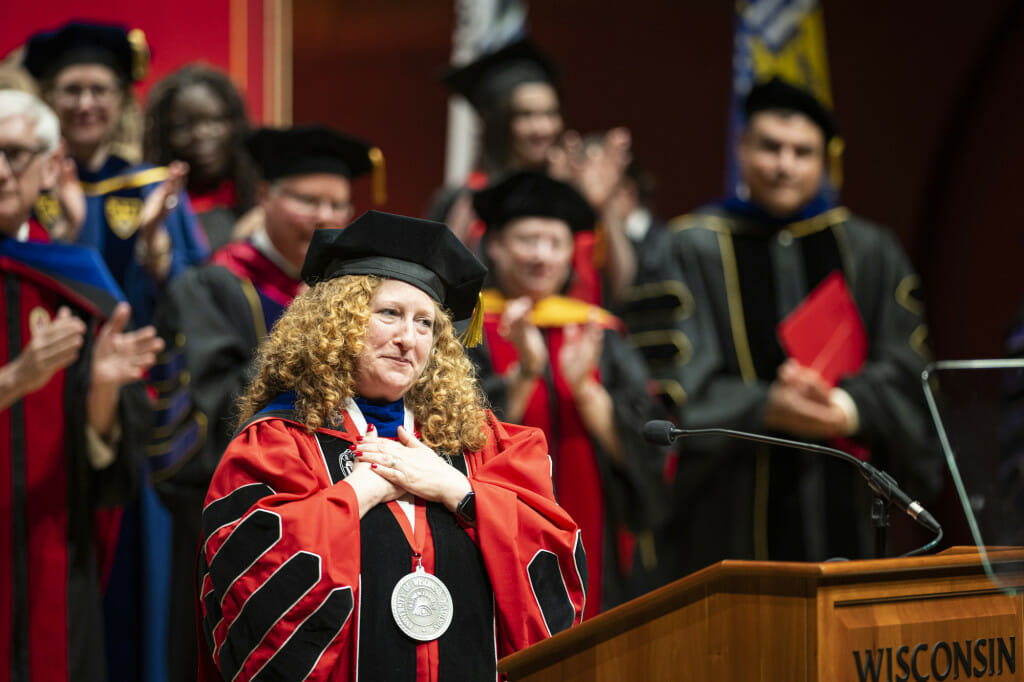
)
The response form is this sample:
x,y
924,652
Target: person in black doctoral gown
x,y
739,267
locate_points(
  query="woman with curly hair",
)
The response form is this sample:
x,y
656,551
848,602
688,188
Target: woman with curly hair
x,y
372,519
197,115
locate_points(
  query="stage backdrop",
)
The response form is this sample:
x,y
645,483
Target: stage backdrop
x,y
250,39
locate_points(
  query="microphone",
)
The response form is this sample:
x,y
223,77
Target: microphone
x,y
662,432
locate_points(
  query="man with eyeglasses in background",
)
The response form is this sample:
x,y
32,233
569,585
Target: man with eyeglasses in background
x,y
213,319
73,414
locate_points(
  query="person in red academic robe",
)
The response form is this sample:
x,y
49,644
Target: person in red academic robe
x,y
563,366
371,519
72,415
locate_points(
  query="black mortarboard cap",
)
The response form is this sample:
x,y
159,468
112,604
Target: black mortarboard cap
x,y
77,42
303,149
532,194
488,79
423,253
780,94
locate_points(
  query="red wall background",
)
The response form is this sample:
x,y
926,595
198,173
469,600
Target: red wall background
x,y
225,33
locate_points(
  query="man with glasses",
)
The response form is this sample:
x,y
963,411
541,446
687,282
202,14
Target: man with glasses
x,y
214,318
17,184
72,413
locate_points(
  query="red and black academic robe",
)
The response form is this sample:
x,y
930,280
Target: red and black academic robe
x,y
212,320
51,624
293,585
602,496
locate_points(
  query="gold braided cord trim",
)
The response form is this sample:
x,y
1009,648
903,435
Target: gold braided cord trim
x,y
919,342
671,287
259,323
819,222
903,294
800,228
130,181
674,390
689,221
845,253
739,327
665,337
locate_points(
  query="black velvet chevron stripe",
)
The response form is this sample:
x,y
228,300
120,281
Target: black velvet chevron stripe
x,y
210,621
210,602
232,507
254,536
214,615
549,588
333,448
266,606
300,654
580,555
19,615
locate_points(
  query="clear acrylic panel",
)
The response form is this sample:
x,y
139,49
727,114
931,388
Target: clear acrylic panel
x,y
978,409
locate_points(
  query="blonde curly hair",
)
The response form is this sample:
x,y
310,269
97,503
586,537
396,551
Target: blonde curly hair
x,y
313,350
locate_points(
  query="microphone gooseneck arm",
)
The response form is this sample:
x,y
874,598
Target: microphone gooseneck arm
x,y
664,432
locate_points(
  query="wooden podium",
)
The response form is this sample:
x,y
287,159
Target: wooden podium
x,y
924,618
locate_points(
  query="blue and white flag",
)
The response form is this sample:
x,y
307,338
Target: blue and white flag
x,y
784,38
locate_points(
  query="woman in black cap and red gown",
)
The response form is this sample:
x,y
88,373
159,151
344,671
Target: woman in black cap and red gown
x,y
372,519
565,367
139,219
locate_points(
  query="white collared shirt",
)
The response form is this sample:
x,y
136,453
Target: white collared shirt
x,y
410,425
262,242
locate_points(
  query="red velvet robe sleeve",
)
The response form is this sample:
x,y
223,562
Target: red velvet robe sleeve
x,y
290,558
531,546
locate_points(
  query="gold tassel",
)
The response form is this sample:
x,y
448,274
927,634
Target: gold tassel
x,y
835,162
379,179
474,333
140,54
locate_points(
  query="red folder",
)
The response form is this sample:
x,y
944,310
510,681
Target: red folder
x,y
825,332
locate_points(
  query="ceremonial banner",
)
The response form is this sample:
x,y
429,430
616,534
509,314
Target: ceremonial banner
x,y
784,38
481,26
